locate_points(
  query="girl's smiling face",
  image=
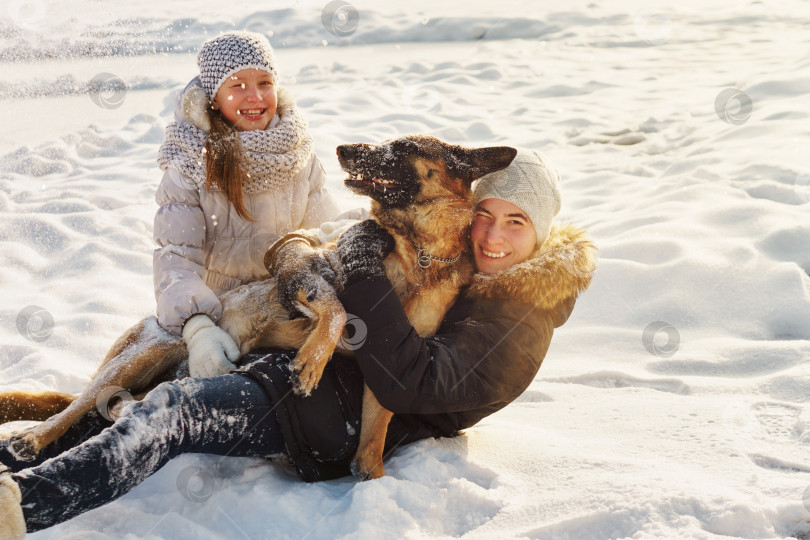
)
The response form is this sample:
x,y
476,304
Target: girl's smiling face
x,y
502,235
247,99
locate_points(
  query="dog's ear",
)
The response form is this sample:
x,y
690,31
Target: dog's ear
x,y
473,163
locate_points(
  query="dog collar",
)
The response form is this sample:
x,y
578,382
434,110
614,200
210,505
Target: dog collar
x,y
424,258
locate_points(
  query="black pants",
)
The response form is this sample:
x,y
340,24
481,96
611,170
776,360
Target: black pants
x,y
97,462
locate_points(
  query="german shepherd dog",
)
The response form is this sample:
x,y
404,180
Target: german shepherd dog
x,y
421,194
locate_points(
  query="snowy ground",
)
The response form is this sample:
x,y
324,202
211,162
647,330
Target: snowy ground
x,y
673,404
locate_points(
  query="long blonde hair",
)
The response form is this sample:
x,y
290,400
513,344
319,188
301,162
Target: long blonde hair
x,y
224,159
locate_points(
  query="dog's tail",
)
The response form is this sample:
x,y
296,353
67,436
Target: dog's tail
x,y
32,405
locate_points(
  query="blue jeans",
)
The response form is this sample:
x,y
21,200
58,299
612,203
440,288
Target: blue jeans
x,y
229,415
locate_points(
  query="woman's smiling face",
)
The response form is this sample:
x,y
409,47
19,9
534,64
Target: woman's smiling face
x,y
247,99
502,235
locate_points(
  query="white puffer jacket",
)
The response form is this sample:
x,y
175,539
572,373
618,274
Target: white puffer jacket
x,y
206,249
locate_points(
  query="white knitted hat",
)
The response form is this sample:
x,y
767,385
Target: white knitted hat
x,y
529,183
224,55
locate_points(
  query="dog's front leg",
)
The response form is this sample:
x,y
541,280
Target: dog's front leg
x,y
330,318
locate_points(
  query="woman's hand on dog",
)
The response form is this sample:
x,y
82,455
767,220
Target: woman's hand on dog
x,y
361,250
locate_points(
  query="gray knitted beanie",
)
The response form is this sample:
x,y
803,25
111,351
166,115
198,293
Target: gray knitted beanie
x,y
529,183
224,55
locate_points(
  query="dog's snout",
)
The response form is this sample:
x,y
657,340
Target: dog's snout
x,y
352,153
345,152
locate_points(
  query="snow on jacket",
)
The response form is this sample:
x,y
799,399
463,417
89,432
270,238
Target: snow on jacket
x,y
207,249
486,352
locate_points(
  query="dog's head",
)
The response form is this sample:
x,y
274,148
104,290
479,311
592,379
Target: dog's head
x,y
418,168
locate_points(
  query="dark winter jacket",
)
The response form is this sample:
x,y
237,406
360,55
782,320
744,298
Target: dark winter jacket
x,y
486,352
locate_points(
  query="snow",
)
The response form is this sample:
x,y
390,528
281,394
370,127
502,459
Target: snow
x,y
673,403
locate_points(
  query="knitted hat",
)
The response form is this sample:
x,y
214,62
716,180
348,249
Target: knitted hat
x,y
221,57
529,183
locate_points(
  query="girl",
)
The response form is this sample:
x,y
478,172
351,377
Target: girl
x,y
240,172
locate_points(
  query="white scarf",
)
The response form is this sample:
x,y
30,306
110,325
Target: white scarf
x,y
274,155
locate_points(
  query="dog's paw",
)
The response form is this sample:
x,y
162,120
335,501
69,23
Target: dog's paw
x,y
305,384
23,447
309,370
367,469
300,388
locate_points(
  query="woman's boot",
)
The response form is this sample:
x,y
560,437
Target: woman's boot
x,y
12,523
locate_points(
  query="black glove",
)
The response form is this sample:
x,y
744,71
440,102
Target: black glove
x,y
297,265
362,249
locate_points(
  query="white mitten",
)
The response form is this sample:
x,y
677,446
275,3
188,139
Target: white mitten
x,y
211,351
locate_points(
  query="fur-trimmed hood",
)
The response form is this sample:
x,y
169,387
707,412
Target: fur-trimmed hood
x,y
192,105
557,271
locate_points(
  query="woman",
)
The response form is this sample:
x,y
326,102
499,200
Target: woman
x,y
486,353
